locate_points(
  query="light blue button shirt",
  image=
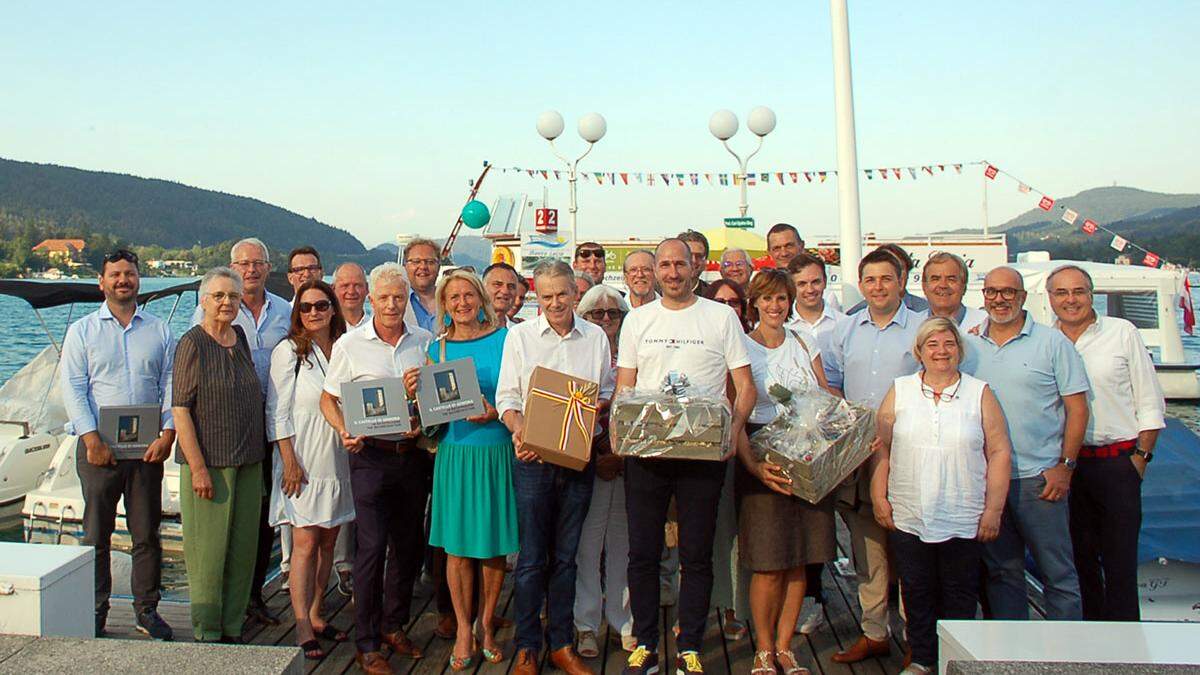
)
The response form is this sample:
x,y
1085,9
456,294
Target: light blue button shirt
x,y
107,364
272,326
1029,374
864,359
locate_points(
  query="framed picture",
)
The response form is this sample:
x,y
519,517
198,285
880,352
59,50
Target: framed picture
x,y
128,430
448,392
376,408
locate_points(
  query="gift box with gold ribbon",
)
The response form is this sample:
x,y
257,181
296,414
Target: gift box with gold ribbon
x,y
560,417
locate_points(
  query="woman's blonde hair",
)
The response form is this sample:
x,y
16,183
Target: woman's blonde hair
x,y
937,324
485,301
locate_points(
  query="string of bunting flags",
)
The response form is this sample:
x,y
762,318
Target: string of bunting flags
x,y
696,178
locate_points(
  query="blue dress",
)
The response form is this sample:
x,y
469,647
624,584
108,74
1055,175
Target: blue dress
x,y
474,506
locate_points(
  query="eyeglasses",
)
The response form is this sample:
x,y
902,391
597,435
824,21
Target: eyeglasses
x,y
250,263
740,264
422,262
732,302
598,314
305,268
1063,293
639,271
222,296
1006,293
320,306
585,253
121,254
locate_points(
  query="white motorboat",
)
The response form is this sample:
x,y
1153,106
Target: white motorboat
x,y
31,425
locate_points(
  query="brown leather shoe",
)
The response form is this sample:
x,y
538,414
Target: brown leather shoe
x,y
447,627
568,661
865,648
372,663
525,663
401,645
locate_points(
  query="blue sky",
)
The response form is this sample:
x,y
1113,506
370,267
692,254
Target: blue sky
x,y
372,117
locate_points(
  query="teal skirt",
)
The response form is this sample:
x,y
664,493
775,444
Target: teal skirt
x,y
474,507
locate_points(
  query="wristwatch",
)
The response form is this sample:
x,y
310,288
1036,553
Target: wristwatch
x,y
1068,462
1144,454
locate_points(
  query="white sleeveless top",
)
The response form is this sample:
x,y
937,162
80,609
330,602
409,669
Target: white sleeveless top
x,y
937,478
788,365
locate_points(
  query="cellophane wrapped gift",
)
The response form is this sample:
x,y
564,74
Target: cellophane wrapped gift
x,y
818,440
668,426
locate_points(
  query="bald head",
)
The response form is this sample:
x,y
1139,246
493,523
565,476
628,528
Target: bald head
x,y
1004,295
1004,277
673,269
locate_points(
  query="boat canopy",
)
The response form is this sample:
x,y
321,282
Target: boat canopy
x,y
43,294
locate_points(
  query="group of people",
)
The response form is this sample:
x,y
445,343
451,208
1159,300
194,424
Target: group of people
x,y
996,435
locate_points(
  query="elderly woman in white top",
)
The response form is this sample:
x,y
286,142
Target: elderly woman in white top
x,y
605,529
939,484
311,489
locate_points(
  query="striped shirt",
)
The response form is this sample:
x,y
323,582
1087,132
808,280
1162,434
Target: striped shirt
x,y
220,388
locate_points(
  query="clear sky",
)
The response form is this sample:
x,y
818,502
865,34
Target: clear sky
x,y
373,116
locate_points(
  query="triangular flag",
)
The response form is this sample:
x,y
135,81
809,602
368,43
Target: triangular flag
x,y
990,172
695,179
822,175
641,177
958,168
808,176
1046,203
666,179
752,179
1118,243
679,177
883,174
912,172
651,179
796,177
530,172
1069,217
612,177
1023,188
625,178
927,169
599,178
766,177
708,177
545,175
869,174
896,173
556,177
1151,260
1089,226
779,177
941,167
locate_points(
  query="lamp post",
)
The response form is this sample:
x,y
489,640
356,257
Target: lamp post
x,y
724,124
847,152
592,128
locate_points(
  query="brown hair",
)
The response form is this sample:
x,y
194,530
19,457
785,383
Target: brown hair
x,y
766,282
882,255
711,293
806,259
300,336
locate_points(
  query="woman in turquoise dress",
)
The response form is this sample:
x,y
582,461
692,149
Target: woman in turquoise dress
x,y
474,508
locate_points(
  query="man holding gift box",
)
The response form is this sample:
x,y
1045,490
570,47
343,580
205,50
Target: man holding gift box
x,y
677,337
552,500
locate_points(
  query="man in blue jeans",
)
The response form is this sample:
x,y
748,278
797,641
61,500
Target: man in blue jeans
x,y
1042,386
552,501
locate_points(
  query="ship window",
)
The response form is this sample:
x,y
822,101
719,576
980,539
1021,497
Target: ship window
x,y
1138,307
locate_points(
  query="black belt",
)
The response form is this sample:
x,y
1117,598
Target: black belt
x,y
388,446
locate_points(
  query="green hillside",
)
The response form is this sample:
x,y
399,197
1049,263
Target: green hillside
x,y
143,211
1105,205
1175,236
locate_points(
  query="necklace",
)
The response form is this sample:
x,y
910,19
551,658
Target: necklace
x,y
943,396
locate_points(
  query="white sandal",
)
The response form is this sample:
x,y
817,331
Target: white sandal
x,y
796,668
764,664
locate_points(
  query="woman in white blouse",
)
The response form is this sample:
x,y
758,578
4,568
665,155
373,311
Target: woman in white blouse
x,y
312,481
939,484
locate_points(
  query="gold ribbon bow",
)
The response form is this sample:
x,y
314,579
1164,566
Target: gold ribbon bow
x,y
578,399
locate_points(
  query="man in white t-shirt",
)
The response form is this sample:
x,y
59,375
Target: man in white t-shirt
x,y
679,333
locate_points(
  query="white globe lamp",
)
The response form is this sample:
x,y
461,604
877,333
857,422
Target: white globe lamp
x,y
550,125
761,121
592,127
723,124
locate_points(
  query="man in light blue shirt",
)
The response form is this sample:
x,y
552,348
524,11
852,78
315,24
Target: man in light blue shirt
x,y
119,356
867,351
422,262
1042,386
265,318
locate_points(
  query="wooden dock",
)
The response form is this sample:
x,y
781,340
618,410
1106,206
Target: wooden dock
x,y
719,655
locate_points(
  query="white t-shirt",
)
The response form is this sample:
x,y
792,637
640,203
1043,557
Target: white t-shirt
x,y
787,365
702,341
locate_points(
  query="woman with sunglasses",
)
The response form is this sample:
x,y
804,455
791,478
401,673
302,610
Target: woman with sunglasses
x,y
217,405
605,530
311,487
729,293
938,484
778,533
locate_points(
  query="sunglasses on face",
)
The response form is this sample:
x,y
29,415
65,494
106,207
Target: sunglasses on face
x,y
598,314
732,302
320,306
584,254
121,254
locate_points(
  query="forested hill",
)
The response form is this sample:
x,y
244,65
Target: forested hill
x,y
144,211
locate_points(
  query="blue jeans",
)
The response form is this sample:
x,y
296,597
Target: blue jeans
x,y
1043,527
552,502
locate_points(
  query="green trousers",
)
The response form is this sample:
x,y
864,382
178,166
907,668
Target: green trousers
x,y
220,543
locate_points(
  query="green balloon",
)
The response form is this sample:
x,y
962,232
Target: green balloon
x,y
475,214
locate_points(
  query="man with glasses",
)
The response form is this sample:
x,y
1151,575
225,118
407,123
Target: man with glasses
x,y
736,266
697,244
680,334
350,287
552,501
867,351
120,355
1042,385
1127,412
944,280
638,269
422,264
500,282
265,318
590,262
304,264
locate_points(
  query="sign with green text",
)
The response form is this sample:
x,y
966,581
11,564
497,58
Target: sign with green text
x,y
740,223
